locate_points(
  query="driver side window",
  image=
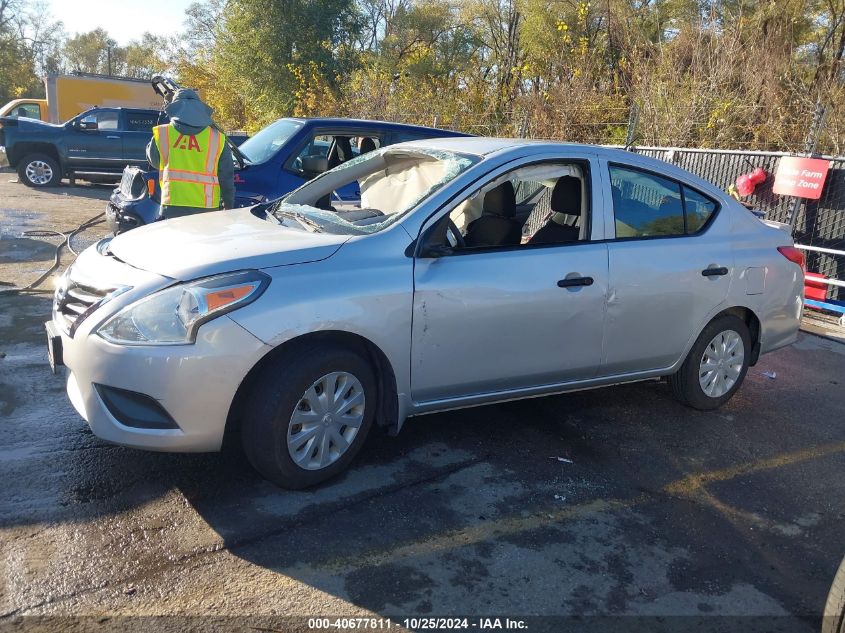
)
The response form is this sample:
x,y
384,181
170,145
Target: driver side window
x,y
29,110
326,151
546,203
105,120
317,146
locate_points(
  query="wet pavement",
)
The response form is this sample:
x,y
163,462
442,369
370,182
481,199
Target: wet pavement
x,y
30,219
669,516
662,510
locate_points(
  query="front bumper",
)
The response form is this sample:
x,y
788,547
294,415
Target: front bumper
x,y
195,384
123,214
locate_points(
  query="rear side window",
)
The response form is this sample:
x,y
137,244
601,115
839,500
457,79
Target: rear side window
x,y
699,209
646,205
141,122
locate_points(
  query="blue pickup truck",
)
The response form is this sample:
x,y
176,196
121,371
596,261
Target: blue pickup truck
x,y
95,145
275,161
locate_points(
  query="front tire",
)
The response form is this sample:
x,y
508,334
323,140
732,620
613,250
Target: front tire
x,y
309,414
39,170
715,366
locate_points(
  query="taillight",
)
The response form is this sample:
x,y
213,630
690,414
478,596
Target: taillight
x,y
793,255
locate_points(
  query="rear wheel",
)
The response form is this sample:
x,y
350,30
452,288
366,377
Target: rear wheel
x,y
715,366
39,170
309,414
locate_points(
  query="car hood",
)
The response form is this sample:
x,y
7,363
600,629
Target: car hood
x,y
218,242
26,123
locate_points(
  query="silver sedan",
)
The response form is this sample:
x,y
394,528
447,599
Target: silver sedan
x,y
469,271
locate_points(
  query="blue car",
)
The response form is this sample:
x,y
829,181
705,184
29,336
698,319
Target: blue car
x,y
277,160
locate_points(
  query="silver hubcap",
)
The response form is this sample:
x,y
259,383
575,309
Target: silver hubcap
x,y
721,364
38,172
326,420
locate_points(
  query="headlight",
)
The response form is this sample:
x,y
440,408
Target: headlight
x,y
172,316
103,246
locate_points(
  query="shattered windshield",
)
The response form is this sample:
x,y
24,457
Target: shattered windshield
x,y
387,183
266,143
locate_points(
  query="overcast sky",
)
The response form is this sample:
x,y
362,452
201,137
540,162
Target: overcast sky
x,y
125,20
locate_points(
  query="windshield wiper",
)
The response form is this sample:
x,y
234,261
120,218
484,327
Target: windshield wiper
x,y
304,220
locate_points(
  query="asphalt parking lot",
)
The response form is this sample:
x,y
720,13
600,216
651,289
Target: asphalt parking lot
x,y
612,502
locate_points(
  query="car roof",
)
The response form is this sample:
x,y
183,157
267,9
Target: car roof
x,y
108,107
121,108
369,123
479,145
502,147
483,146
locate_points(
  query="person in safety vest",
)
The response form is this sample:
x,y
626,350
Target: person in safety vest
x,y
195,167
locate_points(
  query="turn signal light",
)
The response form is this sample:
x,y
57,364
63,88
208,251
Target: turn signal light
x,y
219,298
151,187
793,255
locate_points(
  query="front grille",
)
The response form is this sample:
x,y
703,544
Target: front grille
x,y
74,301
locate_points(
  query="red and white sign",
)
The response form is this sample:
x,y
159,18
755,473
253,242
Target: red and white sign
x,y
801,177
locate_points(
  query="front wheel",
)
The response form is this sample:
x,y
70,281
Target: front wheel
x,y
39,170
308,415
715,366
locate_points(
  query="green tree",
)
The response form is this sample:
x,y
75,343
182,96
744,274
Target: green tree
x,y
733,73
18,71
89,52
145,57
261,45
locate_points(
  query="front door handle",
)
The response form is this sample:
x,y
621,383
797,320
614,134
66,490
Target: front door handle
x,y
114,137
572,282
715,271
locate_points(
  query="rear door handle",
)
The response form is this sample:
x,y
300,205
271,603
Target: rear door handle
x,y
572,282
114,137
715,271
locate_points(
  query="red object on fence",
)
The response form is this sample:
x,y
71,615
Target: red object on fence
x,y
746,183
813,288
744,186
758,176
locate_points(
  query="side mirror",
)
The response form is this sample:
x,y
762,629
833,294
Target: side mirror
x,y
315,165
88,126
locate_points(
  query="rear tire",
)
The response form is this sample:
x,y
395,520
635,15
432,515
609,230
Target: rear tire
x,y
299,428
39,170
715,366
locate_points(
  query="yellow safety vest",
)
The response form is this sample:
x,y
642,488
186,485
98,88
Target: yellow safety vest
x,y
188,166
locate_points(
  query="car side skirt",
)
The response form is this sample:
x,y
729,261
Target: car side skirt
x,y
448,404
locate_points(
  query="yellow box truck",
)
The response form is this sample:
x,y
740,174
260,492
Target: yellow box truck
x,y
68,95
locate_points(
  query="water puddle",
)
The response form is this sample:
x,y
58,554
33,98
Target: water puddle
x,y
15,221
